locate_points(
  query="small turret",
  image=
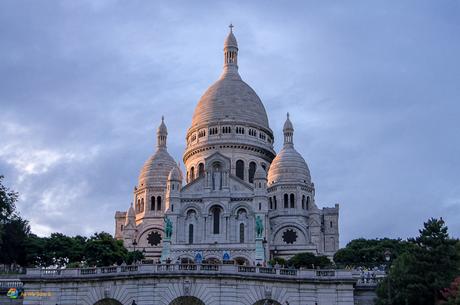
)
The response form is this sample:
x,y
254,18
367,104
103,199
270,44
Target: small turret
x,y
162,134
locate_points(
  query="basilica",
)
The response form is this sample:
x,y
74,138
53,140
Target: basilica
x,y
237,199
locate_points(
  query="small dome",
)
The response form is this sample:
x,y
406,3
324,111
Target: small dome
x,y
162,128
156,169
288,124
230,41
175,174
260,173
288,166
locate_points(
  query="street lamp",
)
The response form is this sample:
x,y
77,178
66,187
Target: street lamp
x,y
134,252
387,255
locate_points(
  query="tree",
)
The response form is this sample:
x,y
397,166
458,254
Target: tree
x,y
369,252
419,275
103,250
13,229
309,260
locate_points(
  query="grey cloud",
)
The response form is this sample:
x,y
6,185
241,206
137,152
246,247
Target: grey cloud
x,y
372,88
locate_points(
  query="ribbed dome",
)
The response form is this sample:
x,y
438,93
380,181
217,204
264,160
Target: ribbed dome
x,y
230,99
156,169
288,166
175,174
260,173
230,41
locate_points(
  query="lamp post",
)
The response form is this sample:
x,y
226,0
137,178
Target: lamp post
x,y
134,246
387,255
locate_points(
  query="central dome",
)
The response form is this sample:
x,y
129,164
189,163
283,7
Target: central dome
x,y
230,98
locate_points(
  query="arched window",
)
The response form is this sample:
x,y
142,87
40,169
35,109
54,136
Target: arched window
x,y
240,169
138,206
142,205
192,173
152,203
292,201
264,167
216,220
308,202
303,202
190,233
274,202
252,170
241,233
271,203
286,201
201,170
159,203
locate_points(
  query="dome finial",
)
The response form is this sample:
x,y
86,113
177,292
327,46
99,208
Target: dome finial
x,y
230,52
288,130
162,134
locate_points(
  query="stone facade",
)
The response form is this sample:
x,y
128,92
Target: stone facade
x,y
182,284
234,184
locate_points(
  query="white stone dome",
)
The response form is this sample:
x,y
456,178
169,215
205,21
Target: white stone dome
x,y
230,98
288,166
175,174
230,41
156,169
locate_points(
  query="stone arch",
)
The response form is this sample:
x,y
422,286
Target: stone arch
x,y
187,300
189,206
215,204
241,205
108,301
279,228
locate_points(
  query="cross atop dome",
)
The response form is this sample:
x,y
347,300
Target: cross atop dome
x,y
231,26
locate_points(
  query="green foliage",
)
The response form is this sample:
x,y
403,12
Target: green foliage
x,y
103,250
419,275
310,261
369,252
134,256
277,260
13,229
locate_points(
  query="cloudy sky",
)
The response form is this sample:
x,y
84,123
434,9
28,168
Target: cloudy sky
x,y
373,88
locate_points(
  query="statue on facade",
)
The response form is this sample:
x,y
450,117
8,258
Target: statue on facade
x,y
259,227
168,227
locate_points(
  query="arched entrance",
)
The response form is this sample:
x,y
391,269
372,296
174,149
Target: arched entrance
x,y
241,261
267,302
108,301
189,300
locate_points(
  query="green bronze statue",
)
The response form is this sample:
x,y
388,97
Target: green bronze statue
x,y
168,227
259,227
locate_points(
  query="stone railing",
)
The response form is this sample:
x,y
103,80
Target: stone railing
x,y
230,270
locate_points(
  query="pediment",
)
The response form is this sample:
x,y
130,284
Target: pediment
x,y
238,185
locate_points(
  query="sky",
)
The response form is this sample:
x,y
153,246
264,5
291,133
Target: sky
x,y
373,89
